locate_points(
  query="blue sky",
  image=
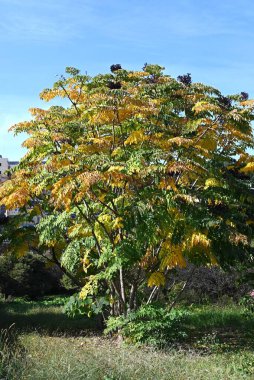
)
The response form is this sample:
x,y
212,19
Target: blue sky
x,y
213,40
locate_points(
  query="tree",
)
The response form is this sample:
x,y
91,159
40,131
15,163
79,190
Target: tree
x,y
139,174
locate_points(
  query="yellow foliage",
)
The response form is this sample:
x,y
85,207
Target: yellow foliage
x,y
199,240
172,256
17,199
79,230
180,141
86,263
116,152
191,200
136,137
117,238
209,143
212,182
117,168
105,218
213,260
230,223
168,184
237,238
248,103
115,179
156,279
248,168
117,223
89,288
22,249
148,259
205,106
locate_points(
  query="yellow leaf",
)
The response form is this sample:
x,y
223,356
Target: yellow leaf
x,y
205,106
156,279
200,240
208,143
116,168
116,152
248,168
22,249
135,137
168,184
230,223
117,223
212,182
172,256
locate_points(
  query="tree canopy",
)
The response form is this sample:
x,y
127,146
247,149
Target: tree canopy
x,y
140,173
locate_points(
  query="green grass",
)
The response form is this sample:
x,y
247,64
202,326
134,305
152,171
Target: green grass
x,y
43,316
228,328
58,358
50,346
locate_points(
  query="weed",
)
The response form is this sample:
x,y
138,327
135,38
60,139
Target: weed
x,y
12,354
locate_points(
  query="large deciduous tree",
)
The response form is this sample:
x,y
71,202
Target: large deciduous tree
x,y
140,173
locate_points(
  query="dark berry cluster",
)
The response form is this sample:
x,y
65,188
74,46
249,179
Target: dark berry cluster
x,y
115,67
244,95
225,101
185,79
114,85
144,67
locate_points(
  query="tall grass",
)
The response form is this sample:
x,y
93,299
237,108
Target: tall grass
x,y
12,355
94,358
46,345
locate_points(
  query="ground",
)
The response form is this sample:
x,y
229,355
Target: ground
x,y
218,345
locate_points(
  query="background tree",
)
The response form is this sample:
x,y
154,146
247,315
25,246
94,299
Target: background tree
x,y
139,174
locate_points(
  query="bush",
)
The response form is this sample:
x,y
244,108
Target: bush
x,y
248,301
207,285
150,324
87,307
27,276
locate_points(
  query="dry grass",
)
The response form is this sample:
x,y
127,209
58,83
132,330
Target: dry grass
x,y
94,358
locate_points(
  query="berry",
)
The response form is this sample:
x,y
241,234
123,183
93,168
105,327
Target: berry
x,y
244,95
115,67
185,79
114,85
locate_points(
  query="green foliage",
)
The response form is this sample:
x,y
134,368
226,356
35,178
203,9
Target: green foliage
x,y
248,302
68,283
151,325
87,307
27,275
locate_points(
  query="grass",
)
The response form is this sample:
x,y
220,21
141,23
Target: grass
x,y
228,328
43,316
218,346
59,358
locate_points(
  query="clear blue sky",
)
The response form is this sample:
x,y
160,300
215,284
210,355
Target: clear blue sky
x,y
213,40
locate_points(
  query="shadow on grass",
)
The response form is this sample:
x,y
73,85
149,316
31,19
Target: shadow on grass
x,y
208,329
47,320
219,329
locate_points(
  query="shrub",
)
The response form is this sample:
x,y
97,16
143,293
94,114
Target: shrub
x,y
248,301
150,324
88,307
27,276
